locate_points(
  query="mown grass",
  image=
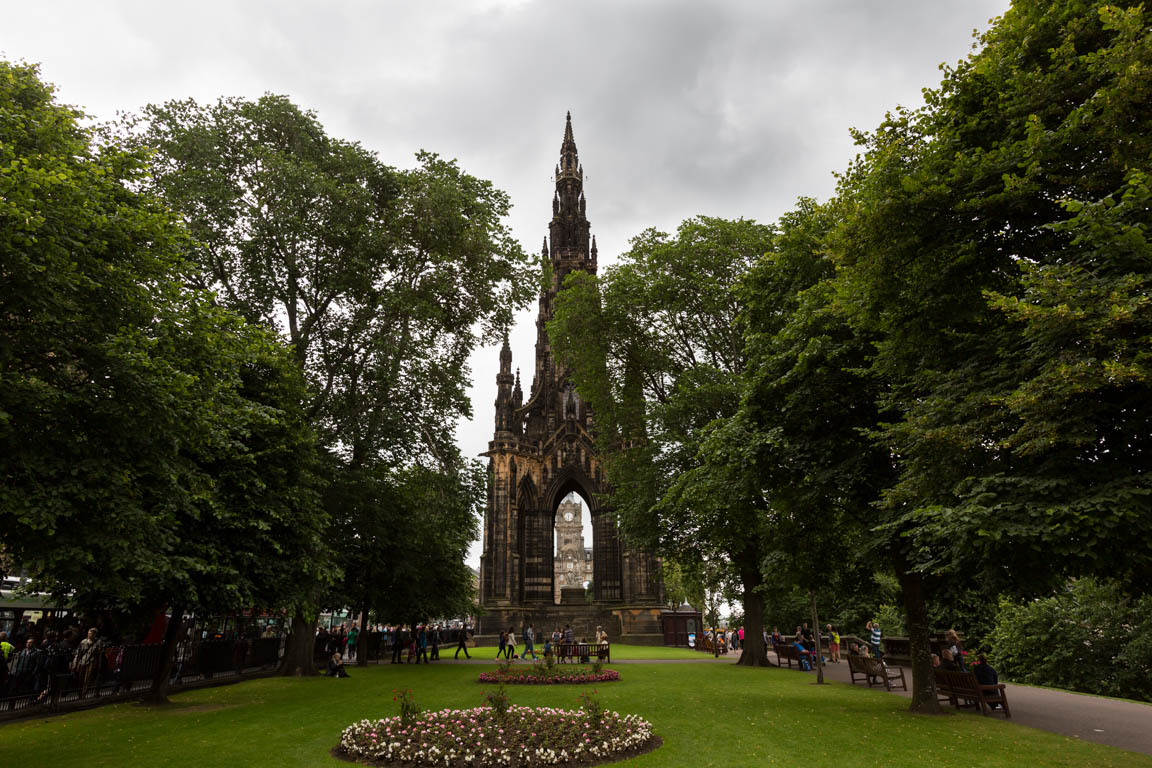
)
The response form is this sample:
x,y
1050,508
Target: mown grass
x,y
708,714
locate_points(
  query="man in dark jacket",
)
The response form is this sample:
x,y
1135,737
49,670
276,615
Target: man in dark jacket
x,y
24,669
399,640
462,645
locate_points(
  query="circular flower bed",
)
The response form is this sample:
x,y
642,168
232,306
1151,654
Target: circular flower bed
x,y
480,737
555,677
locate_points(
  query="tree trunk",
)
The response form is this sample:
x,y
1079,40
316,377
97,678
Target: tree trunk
x,y
158,693
916,614
819,660
299,647
753,653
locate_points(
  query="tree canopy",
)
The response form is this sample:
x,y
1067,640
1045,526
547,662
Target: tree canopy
x,y
154,449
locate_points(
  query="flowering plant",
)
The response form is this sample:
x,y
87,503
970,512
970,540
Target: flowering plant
x,y
525,737
539,674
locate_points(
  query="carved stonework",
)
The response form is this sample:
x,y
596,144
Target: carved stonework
x,y
543,449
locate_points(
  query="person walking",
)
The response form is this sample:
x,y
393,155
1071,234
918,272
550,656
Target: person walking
x,y
503,644
530,642
353,638
434,637
422,644
462,645
510,649
397,645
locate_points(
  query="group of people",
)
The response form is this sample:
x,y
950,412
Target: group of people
x,y
554,644
42,666
722,641
410,645
804,641
342,640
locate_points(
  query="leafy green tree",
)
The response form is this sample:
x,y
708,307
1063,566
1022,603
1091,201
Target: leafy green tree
x,y
805,406
152,448
988,246
664,373
404,553
382,281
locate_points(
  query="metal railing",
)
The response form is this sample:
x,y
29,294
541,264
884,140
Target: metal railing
x,y
54,680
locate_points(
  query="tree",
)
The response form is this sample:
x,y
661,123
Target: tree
x,y
664,373
153,451
404,553
382,281
1007,326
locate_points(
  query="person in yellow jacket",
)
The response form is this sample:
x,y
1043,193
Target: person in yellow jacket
x,y
833,645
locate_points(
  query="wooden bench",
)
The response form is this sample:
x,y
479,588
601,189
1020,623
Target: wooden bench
x,y
790,653
573,651
964,685
874,672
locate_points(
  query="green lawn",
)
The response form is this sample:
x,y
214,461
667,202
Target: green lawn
x,y
708,715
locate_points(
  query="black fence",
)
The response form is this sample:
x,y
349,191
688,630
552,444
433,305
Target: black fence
x,y
54,680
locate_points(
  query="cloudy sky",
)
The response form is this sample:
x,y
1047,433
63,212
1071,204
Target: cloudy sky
x,y
679,108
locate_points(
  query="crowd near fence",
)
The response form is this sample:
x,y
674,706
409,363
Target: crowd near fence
x,y
125,671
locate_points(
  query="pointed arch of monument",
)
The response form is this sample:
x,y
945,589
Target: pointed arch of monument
x,y
527,497
569,480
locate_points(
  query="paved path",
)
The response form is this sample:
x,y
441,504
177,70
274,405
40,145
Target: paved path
x,y
1118,723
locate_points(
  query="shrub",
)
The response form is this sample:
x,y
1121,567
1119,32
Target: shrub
x,y
1090,637
409,710
498,700
592,707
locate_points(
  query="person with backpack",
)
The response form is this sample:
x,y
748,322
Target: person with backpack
x,y
833,644
530,642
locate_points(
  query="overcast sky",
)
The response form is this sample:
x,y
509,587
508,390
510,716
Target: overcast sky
x,y
729,109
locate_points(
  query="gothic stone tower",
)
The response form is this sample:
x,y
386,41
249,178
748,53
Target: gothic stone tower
x,y
542,450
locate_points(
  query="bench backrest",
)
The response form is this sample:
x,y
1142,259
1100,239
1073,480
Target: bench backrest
x,y
956,681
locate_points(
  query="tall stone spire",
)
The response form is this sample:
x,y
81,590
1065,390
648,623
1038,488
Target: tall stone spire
x,y
504,380
569,227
